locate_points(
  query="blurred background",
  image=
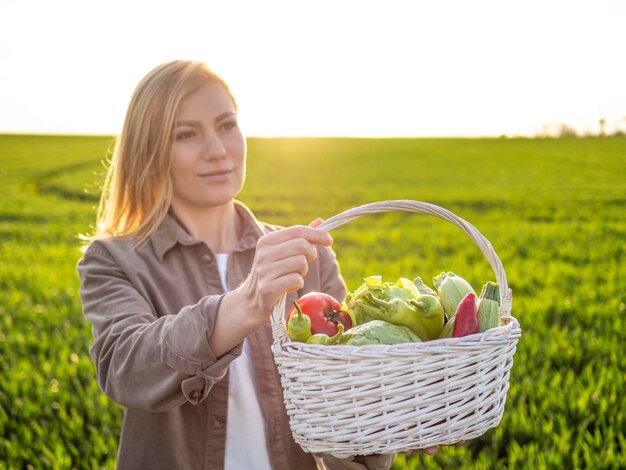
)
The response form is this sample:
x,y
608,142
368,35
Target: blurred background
x,y
510,114
347,68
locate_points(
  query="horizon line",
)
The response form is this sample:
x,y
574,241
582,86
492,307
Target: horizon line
x,y
289,136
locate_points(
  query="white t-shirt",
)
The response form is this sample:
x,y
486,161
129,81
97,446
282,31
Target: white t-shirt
x,y
246,442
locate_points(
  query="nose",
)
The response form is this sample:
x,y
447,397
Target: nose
x,y
214,148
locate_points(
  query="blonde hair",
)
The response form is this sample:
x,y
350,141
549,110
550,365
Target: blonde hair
x,y
137,190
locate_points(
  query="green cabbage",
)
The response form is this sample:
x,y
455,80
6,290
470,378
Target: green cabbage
x,y
378,332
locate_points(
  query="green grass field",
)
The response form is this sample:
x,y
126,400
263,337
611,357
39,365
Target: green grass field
x,y
554,210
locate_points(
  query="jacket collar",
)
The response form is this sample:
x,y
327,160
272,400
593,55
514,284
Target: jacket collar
x,y
171,232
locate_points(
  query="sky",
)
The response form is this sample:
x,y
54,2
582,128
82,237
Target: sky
x,y
324,68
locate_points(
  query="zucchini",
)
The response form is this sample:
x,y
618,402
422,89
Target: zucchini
x,y
488,303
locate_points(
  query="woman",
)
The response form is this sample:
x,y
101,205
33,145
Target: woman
x,y
179,282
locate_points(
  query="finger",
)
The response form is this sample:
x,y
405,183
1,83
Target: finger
x,y
294,264
297,246
316,222
289,283
313,235
426,450
270,286
269,273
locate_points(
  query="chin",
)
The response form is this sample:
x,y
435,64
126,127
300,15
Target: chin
x,y
219,199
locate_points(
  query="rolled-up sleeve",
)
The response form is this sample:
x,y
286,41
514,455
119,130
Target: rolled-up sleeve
x,y
144,361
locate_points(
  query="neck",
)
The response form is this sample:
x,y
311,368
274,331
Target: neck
x,y
219,227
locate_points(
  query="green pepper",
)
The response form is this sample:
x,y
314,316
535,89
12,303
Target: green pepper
x,y
299,326
422,316
321,338
423,288
431,313
399,312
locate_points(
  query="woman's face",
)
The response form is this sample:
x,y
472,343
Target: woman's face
x,y
208,154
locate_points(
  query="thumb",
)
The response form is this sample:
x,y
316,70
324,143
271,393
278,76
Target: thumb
x,y
316,222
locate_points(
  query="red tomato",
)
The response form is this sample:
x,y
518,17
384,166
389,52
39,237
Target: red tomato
x,y
325,313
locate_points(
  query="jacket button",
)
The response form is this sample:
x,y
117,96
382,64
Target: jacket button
x,y
206,259
195,394
219,423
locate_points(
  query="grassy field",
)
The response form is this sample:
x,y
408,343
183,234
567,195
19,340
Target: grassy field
x,y
554,210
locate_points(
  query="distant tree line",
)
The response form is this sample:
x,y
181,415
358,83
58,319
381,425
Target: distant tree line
x,y
561,129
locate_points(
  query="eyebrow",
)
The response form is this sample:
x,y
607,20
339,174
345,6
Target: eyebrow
x,y
199,124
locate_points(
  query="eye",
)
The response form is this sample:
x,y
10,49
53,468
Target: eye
x,y
185,135
228,125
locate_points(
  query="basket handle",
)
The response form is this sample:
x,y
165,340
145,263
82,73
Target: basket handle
x,y
406,205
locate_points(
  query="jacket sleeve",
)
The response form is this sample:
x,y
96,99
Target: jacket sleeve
x,y
143,361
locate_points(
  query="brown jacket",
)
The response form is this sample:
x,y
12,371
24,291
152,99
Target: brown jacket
x,y
152,309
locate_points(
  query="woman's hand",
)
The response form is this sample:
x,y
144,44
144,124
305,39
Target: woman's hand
x,y
429,450
280,264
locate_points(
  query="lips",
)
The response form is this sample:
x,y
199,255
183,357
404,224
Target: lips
x,y
215,173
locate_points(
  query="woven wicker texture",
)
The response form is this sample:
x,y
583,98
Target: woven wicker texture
x,y
348,400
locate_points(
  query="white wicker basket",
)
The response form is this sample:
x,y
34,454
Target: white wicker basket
x,y
347,400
